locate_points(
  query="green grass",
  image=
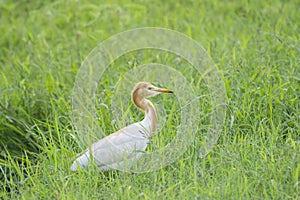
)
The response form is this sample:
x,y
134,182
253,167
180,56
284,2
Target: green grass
x,y
256,46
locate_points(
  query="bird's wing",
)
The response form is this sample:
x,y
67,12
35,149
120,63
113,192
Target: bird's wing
x,y
120,145
112,150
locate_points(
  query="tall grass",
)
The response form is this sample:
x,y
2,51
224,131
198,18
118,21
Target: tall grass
x,y
254,44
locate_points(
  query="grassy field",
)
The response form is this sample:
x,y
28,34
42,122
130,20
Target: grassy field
x,y
256,46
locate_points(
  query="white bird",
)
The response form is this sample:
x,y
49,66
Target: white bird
x,y
128,143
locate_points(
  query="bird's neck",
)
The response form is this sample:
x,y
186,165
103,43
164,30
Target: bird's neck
x,y
150,121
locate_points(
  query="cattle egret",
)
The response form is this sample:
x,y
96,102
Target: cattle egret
x,y
128,143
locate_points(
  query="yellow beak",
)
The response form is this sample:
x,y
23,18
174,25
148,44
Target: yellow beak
x,y
163,90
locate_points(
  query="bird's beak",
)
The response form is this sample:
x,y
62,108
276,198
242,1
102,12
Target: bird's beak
x,y
163,90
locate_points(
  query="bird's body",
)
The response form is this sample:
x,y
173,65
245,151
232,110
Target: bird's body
x,y
128,143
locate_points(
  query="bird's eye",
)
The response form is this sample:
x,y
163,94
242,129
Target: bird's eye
x,y
149,88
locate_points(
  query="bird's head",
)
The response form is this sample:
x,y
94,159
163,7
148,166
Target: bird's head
x,y
145,90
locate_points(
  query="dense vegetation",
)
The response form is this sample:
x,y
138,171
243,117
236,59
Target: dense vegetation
x,y
256,46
